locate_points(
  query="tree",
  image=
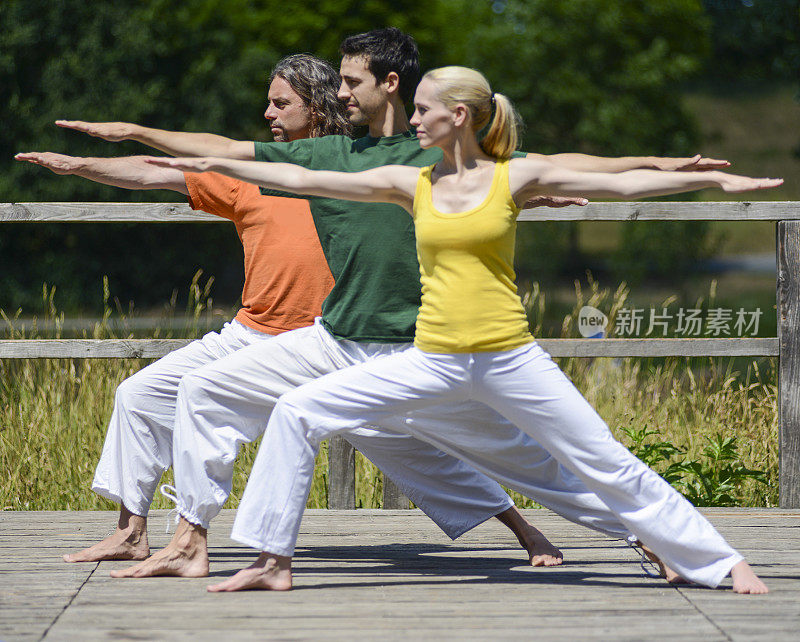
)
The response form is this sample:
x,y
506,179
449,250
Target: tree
x,y
588,75
597,76
754,39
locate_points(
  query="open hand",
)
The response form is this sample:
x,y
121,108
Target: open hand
x,y
733,183
113,132
696,163
554,201
57,163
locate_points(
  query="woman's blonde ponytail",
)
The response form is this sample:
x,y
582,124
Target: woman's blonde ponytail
x,y
503,135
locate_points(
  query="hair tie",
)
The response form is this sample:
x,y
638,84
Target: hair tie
x,y
494,100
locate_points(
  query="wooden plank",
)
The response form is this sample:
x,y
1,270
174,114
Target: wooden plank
x,y
88,348
104,213
392,575
393,498
738,347
341,474
788,248
669,211
154,348
618,211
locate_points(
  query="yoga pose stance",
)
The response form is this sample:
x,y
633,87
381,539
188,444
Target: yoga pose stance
x,y
286,280
370,313
472,340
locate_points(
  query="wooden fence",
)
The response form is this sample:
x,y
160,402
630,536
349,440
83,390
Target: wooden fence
x,y
785,346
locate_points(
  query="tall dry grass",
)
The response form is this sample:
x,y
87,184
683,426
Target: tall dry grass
x,y
53,413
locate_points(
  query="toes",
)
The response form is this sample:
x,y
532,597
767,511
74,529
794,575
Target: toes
x,y
224,587
125,572
545,560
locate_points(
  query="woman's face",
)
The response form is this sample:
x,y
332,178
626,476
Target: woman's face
x,y
434,121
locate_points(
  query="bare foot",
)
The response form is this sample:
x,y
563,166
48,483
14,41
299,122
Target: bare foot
x,y
746,581
540,551
269,573
185,556
665,571
128,542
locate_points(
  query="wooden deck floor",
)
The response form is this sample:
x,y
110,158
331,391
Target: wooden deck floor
x,y
391,575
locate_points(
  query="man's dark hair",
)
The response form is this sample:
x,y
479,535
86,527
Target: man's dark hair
x,y
387,50
317,83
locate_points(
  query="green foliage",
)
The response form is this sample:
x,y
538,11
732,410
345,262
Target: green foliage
x,y
713,480
661,249
595,76
599,77
655,453
754,39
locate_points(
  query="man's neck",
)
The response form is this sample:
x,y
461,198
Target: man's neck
x,y
392,120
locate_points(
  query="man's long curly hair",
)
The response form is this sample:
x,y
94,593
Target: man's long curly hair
x,y
317,83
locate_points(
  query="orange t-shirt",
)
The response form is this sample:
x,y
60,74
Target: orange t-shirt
x,y
286,276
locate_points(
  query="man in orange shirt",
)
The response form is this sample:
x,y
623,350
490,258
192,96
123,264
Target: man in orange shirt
x,y
286,280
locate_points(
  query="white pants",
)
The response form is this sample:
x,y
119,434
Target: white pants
x,y
228,402
138,445
523,385
139,442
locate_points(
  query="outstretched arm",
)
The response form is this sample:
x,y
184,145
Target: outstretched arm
x,y
173,143
130,172
587,163
528,178
390,184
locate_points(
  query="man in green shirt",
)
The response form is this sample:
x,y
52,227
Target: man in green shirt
x,y
370,313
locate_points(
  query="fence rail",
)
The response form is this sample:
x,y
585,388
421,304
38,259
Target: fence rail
x,y
635,211
786,346
155,348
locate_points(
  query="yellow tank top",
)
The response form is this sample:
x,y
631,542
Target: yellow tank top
x,y
469,298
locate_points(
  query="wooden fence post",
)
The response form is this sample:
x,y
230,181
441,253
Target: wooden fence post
x,y
341,474
393,498
788,296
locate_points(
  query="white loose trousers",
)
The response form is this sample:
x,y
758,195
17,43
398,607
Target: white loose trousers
x,y
138,444
525,386
229,402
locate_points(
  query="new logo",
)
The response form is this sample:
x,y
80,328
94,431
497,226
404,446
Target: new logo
x,y
592,323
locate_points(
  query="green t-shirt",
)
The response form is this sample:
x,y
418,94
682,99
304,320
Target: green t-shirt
x,y
370,247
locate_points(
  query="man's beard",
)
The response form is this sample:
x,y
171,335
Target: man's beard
x,y
361,117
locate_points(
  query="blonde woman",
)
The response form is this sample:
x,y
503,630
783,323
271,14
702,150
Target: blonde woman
x,y
472,339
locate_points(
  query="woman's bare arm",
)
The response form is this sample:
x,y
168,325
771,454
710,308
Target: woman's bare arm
x,y
390,184
587,163
529,178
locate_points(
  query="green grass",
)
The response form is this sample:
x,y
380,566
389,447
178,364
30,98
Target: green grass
x,y
53,415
